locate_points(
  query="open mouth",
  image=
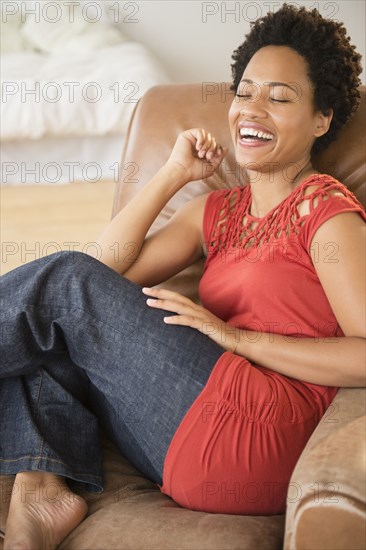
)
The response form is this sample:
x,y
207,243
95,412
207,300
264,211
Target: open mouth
x,y
251,135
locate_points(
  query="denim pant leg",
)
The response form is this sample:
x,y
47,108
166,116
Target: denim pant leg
x,y
41,415
144,374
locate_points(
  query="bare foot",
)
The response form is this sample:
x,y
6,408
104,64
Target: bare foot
x,y
43,511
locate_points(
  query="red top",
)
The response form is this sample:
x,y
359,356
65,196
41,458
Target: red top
x,y
236,447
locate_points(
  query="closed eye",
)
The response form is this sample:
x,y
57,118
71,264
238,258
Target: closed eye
x,y
280,100
248,96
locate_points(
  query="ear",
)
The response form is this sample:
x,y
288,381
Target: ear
x,y
322,122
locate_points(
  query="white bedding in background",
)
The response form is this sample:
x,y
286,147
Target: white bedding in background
x,y
83,94
61,160
74,30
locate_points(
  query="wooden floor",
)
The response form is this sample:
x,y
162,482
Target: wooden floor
x,y
37,220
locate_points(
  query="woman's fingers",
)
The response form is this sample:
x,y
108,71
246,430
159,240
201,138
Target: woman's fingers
x,y
187,312
206,145
163,293
192,315
184,321
167,299
201,139
172,302
203,142
212,149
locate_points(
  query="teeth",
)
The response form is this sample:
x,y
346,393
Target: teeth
x,y
251,132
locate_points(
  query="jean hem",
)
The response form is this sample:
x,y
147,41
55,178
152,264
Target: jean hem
x,y
88,481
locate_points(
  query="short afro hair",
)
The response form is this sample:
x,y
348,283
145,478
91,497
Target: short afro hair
x,y
333,63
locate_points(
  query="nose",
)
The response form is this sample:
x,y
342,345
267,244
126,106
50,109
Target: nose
x,y
247,109
251,102
247,113
253,109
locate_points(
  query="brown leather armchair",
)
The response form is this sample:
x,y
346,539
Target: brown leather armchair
x,y
326,498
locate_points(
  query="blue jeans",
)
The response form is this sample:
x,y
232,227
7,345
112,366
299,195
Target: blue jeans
x,y
81,350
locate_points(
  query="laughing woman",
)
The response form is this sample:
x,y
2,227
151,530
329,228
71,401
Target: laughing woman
x,y
228,392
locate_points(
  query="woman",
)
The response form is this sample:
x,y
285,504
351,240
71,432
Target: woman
x,y
216,402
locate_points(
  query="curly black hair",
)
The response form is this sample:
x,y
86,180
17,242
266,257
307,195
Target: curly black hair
x,y
333,63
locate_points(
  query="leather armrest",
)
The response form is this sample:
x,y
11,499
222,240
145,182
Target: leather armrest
x,y
326,497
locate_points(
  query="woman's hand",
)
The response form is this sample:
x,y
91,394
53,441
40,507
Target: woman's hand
x,y
197,152
192,315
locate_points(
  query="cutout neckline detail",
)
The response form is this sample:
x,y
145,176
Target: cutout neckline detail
x,y
234,226
296,189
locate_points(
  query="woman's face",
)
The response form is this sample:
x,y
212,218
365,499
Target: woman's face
x,y
272,119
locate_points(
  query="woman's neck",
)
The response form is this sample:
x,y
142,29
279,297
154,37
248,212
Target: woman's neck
x,y
270,188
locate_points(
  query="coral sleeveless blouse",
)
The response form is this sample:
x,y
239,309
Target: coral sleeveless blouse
x,y
236,447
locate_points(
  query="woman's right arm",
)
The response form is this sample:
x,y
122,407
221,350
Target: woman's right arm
x,y
149,261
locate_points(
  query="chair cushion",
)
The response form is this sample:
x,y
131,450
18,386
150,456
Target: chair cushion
x,y
132,513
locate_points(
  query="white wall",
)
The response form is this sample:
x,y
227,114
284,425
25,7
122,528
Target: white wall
x,y
195,39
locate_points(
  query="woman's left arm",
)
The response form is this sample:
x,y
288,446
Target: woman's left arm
x,y
330,361
339,361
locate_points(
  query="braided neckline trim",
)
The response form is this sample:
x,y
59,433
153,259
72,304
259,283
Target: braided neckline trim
x,y
295,191
236,227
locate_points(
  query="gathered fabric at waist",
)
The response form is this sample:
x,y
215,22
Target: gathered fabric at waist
x,y
237,445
